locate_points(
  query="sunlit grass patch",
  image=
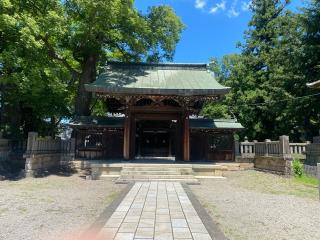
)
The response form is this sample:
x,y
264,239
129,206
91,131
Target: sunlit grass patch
x,y
307,180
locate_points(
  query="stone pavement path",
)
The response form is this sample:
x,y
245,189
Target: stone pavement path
x,y
155,210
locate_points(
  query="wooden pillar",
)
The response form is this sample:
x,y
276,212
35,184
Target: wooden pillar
x,y
126,138
132,142
127,130
186,138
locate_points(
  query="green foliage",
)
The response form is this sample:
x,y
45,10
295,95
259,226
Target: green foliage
x,y
216,111
50,49
297,168
280,54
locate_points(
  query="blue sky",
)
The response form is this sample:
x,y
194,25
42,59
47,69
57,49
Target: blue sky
x,y
213,27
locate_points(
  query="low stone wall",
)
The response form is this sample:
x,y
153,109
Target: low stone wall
x,y
273,164
241,159
37,164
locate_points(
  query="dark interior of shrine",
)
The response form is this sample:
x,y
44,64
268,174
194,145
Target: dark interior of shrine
x,y
156,138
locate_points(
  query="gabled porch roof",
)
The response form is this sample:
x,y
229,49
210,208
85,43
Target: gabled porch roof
x,y
157,79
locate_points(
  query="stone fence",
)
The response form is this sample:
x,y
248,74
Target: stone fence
x,y
44,154
248,149
274,156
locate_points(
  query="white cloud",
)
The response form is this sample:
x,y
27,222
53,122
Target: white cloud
x,y
232,12
200,4
218,6
245,6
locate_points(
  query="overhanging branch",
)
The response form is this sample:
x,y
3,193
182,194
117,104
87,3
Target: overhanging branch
x,y
52,53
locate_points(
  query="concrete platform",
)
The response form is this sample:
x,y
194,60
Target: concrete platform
x,y
153,170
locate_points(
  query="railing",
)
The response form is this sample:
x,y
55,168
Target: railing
x,y
47,145
298,148
247,149
271,148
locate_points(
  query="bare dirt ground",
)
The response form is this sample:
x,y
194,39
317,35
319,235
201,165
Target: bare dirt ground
x,y
51,207
256,205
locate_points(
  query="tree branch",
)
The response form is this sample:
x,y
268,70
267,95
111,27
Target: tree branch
x,y
52,53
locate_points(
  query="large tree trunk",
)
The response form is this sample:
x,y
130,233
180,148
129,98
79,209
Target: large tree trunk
x,y
88,75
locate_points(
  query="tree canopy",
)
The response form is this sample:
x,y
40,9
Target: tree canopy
x,y
279,55
51,48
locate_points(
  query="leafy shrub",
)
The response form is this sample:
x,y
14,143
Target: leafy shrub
x,y
297,168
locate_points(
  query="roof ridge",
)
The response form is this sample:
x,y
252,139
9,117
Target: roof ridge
x,y
203,66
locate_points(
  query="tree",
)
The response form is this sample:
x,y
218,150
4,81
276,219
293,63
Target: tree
x,y
68,42
81,35
268,79
33,89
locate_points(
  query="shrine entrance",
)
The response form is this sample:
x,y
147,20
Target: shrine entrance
x,y
156,138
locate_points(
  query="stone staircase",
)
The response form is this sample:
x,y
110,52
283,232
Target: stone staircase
x,y
157,172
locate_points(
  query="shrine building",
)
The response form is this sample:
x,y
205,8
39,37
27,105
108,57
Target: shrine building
x,y
153,113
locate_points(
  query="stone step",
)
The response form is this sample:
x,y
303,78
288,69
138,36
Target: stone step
x,y
151,166
125,179
154,172
180,170
159,177
188,181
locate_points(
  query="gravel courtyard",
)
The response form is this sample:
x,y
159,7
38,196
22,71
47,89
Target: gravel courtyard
x,y
50,207
256,205
245,205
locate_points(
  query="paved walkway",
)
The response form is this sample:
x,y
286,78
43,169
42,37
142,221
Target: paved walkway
x,y
155,210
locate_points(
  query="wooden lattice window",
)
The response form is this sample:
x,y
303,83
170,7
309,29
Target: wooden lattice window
x,y
93,141
170,102
144,102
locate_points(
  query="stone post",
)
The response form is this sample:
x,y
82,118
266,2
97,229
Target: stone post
x,y
254,148
236,148
285,147
31,149
285,153
246,147
31,143
267,150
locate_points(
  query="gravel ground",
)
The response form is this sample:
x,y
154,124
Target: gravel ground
x,y
50,207
256,205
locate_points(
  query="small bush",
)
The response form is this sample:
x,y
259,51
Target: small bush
x,y
297,168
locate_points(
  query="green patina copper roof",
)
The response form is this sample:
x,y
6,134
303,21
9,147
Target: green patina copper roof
x,y
215,124
118,122
157,79
110,122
